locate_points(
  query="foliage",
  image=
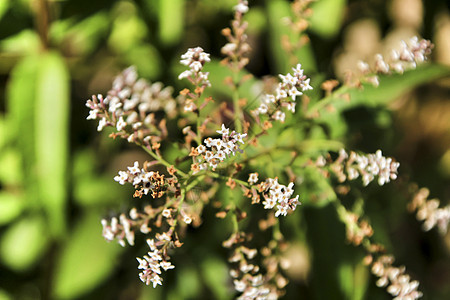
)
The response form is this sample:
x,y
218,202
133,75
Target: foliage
x,y
56,173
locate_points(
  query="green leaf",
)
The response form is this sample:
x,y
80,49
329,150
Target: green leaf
x,y
4,295
11,172
150,67
51,133
277,10
327,17
20,106
86,260
128,29
24,243
188,284
171,20
215,273
4,4
391,87
25,42
82,37
353,280
11,206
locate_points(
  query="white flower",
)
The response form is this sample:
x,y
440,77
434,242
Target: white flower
x,y
121,124
122,177
92,114
166,265
242,7
166,213
253,178
279,116
101,124
224,131
135,168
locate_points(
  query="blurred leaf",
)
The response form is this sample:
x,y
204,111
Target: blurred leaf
x,y
171,20
146,59
4,5
391,87
188,284
11,206
353,280
90,191
128,29
4,295
24,243
215,274
11,172
327,17
256,19
86,183
81,38
25,42
276,11
52,132
20,106
86,260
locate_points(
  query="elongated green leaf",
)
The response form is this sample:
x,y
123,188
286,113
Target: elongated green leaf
x,y
171,20
20,106
277,10
391,87
327,17
86,260
51,132
24,243
4,4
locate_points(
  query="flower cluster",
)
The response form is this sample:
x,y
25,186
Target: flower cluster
x,y
195,59
237,47
274,194
156,260
118,229
145,181
287,90
367,166
215,151
398,283
247,279
429,211
405,58
130,106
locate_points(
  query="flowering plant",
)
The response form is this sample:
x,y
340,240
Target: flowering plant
x,y
234,142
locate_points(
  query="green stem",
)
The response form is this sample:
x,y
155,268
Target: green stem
x,y
327,100
237,108
163,161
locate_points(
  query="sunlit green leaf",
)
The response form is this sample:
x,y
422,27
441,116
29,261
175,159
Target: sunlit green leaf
x,y
86,260
128,29
25,42
11,206
4,5
51,131
327,17
171,20
24,243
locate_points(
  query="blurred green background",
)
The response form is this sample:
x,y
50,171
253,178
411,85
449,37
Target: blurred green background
x,y
56,170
